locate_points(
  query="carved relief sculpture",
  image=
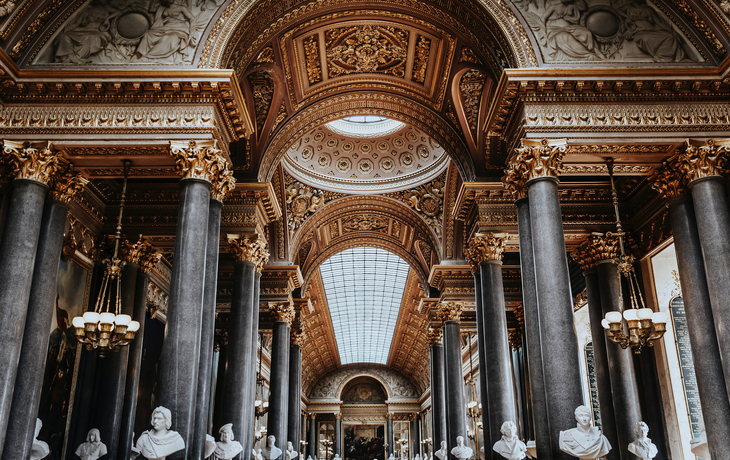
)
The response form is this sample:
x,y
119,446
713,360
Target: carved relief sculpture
x,y
314,66
366,49
420,60
160,441
302,201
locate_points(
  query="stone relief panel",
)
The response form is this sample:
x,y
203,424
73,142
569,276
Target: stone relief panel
x,y
108,32
366,49
399,386
613,30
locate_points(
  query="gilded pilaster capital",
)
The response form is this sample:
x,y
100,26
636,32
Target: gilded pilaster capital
x,y
142,253
31,163
390,415
450,311
669,181
435,334
65,186
312,415
282,312
338,415
199,160
223,184
515,177
298,338
596,248
537,159
487,246
249,248
703,159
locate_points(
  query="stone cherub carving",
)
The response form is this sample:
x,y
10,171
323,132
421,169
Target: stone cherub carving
x,y
461,451
93,448
291,454
584,441
510,446
40,449
442,453
271,452
160,441
643,447
227,448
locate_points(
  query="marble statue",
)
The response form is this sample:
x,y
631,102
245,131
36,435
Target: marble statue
x,y
291,454
510,446
417,457
40,449
227,448
310,458
442,453
643,447
392,457
336,457
93,448
160,441
461,451
271,452
584,441
257,455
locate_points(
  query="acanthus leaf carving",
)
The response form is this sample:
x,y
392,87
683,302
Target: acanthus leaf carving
x,y
366,49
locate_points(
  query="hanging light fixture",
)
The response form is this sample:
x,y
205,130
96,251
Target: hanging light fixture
x,y
644,324
473,407
261,406
106,328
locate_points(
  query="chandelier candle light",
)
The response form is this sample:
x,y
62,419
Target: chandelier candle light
x,y
103,328
644,324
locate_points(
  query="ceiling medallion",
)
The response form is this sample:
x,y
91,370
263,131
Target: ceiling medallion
x,y
366,49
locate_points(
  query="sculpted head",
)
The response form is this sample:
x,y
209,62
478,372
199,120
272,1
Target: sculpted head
x,y
161,418
272,441
289,446
508,429
583,415
226,432
443,445
641,430
93,435
460,441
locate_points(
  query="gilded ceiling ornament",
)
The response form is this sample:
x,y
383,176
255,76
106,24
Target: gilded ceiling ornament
x,y
262,88
282,312
6,7
31,163
298,338
223,184
266,56
541,158
427,200
65,186
365,223
301,202
668,181
450,311
199,160
514,179
487,246
704,159
467,55
313,62
435,334
366,49
249,248
142,253
471,85
420,59
280,116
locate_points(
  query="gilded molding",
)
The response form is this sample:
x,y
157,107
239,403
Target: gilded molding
x,y
542,158
435,335
143,254
31,163
703,158
487,246
282,312
198,160
450,311
669,181
64,187
249,249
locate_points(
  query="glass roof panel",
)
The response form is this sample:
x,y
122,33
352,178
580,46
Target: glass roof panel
x,y
364,288
365,126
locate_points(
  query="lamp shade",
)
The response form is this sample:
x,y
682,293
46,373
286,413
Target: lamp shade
x,y
659,317
106,318
122,320
613,317
91,317
78,322
644,313
605,323
630,314
133,326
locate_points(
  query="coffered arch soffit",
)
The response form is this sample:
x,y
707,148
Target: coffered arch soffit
x,y
371,221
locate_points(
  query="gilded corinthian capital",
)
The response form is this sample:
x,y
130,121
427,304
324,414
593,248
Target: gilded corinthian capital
x,y
298,338
31,163
65,186
282,312
142,253
199,160
435,334
223,184
450,311
486,246
596,248
704,159
515,177
249,248
669,181
537,159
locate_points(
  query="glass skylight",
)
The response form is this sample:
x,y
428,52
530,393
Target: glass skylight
x,y
365,126
364,288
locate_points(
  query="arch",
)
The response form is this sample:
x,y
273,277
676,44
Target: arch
x,y
343,385
397,385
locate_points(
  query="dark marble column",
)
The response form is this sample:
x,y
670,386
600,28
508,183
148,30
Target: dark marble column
x,y
438,392
415,436
538,162
455,407
29,381
146,257
283,316
483,370
207,330
532,329
338,434
17,258
261,257
500,397
312,437
389,437
295,389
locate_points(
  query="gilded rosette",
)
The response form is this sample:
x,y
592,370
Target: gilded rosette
x,y
450,311
537,159
249,249
298,338
704,159
435,334
31,163
142,253
668,180
282,312
65,186
199,160
486,246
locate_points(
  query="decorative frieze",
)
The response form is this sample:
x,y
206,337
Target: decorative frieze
x,y
38,164
249,248
703,158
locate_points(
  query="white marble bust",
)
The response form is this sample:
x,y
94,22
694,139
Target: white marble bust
x,y
271,452
291,454
336,457
417,457
227,448
93,448
40,449
160,441
584,441
642,447
442,453
461,451
510,446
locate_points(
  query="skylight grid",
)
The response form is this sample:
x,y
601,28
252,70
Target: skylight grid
x,y
364,289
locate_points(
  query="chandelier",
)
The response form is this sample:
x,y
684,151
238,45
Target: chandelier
x,y
644,324
473,407
261,406
106,328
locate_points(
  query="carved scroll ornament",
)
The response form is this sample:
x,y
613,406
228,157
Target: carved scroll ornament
x,y
487,246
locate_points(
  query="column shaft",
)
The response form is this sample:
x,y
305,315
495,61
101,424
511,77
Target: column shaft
x,y
250,410
29,381
207,331
600,359
701,326
501,395
561,364
178,377
455,406
295,395
438,396
279,393
17,258
483,370
238,376
312,438
338,437
533,343
389,436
